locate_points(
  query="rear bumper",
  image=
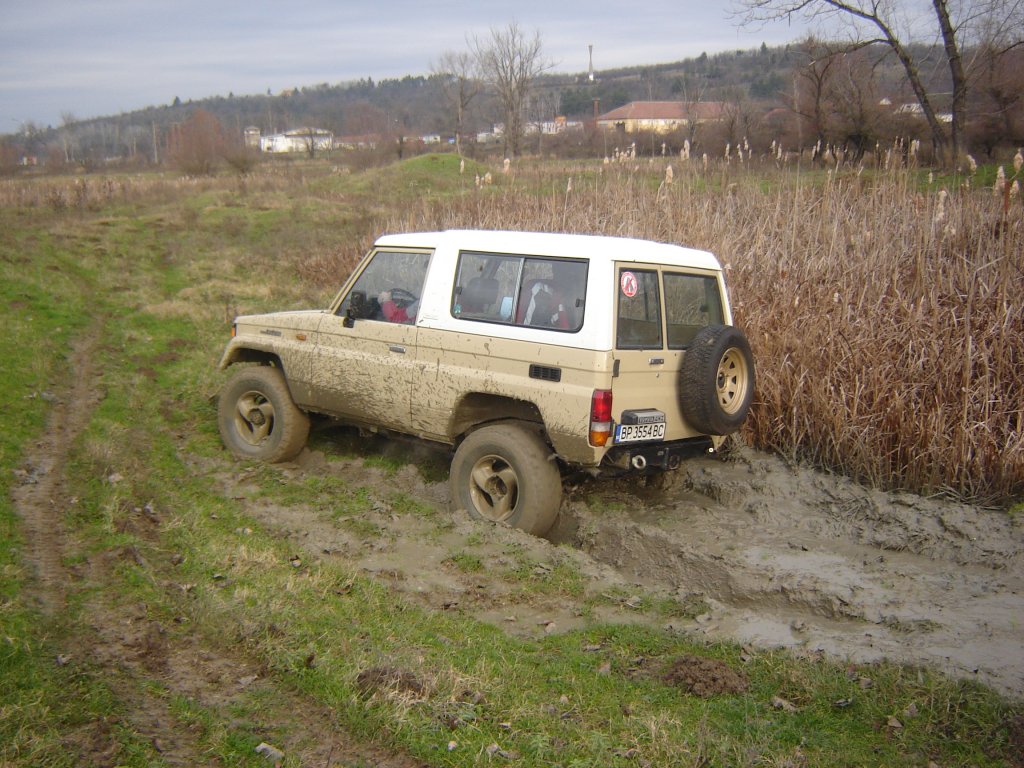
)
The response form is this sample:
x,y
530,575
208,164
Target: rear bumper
x,y
652,457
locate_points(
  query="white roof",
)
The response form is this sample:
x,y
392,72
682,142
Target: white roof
x,y
592,247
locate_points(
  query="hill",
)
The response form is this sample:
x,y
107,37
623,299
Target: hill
x,y
415,104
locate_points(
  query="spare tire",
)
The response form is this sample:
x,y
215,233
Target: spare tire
x,y
717,380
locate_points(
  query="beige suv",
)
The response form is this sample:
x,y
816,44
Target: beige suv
x,y
532,354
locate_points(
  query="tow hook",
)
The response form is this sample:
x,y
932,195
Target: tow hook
x,y
638,462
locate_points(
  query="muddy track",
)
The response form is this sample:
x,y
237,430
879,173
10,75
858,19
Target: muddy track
x,y
143,662
40,497
796,558
782,556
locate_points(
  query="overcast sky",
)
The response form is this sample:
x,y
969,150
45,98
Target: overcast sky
x,y
92,58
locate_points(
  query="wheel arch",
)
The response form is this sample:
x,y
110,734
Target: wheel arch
x,y
240,354
480,409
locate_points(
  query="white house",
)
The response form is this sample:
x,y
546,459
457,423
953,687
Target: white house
x,y
298,140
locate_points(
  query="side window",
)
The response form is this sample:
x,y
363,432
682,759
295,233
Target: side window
x,y
485,287
521,290
552,294
638,324
692,302
389,288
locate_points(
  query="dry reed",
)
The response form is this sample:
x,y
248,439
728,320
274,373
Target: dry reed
x,y
886,321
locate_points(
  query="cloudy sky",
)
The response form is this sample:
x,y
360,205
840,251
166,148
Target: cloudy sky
x,y
92,58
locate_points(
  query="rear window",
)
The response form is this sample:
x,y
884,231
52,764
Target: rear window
x,y
520,290
638,324
692,302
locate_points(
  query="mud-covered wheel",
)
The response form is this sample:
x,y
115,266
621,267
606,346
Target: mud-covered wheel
x,y
257,417
506,473
717,380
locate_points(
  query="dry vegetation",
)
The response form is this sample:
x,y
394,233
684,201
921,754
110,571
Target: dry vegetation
x,y
886,318
885,311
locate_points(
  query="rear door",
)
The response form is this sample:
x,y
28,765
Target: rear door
x,y
658,312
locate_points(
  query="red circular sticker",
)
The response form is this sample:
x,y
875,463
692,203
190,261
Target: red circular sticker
x,y
628,284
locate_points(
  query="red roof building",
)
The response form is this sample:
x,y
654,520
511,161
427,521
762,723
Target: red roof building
x,y
660,116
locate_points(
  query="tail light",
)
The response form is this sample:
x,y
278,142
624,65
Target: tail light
x,y
600,417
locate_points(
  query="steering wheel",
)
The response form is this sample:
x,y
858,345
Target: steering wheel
x,y
402,297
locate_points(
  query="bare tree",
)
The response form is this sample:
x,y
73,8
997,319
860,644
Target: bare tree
x,y
313,139
510,61
460,82
954,23
812,82
195,146
997,97
856,119
67,136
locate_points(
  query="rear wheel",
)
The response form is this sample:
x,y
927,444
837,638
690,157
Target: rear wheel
x,y
717,380
257,417
507,473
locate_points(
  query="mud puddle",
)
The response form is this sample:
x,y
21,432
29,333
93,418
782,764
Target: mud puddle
x,y
769,555
800,559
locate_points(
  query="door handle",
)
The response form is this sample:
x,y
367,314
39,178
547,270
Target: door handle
x,y
656,361
397,348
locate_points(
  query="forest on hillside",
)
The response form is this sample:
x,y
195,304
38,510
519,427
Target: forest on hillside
x,y
798,94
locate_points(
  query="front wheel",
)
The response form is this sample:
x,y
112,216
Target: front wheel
x,y
506,473
257,417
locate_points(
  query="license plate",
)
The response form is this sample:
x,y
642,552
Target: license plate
x,y
634,433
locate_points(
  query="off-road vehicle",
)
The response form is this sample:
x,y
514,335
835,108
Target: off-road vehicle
x,y
531,354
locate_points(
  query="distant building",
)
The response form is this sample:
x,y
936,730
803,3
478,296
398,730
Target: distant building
x,y
296,140
914,109
251,137
660,116
551,127
363,141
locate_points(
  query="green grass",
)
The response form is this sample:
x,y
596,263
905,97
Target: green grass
x,y
467,562
44,706
595,697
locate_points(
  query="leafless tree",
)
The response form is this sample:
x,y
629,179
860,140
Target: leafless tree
x,y
856,120
896,24
196,145
460,82
67,136
997,97
510,60
739,117
312,140
812,82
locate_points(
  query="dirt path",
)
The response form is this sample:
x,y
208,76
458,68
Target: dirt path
x,y
40,496
143,662
781,557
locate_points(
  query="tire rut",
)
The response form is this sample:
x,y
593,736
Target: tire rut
x,y
40,499
145,664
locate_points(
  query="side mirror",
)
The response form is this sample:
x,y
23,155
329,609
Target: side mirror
x,y
357,308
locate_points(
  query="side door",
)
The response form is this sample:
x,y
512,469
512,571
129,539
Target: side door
x,y
365,361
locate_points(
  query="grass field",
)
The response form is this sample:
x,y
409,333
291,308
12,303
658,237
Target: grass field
x,y
887,330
